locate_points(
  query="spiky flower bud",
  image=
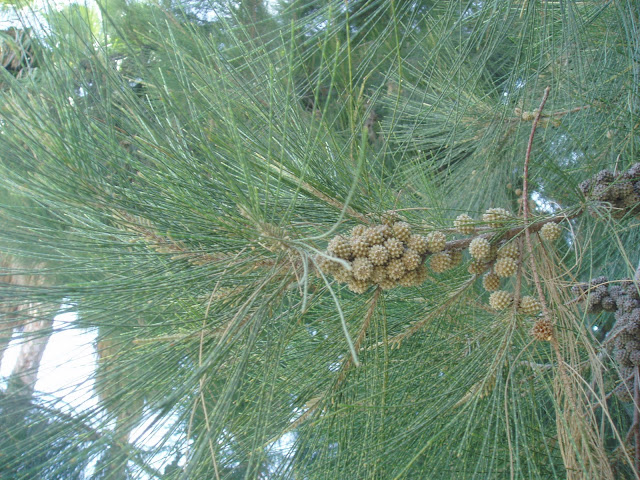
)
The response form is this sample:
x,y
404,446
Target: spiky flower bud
x,y
495,217
379,274
396,269
358,230
440,262
378,255
551,231
362,268
491,282
499,300
326,265
373,236
340,247
358,286
421,274
542,330
409,279
389,218
385,230
342,275
388,284
505,267
464,224
359,246
436,241
476,267
411,259
529,305
402,231
418,244
509,250
394,247
480,248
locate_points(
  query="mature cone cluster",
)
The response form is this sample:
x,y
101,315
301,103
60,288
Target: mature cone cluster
x,y
622,190
623,299
597,294
388,255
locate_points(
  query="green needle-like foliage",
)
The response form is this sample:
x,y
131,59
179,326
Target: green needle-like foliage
x,y
173,175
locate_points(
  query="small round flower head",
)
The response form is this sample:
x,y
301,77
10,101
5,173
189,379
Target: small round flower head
x,y
476,267
358,230
389,218
491,282
402,231
408,279
385,230
456,257
378,255
436,241
499,300
388,284
358,286
362,268
480,248
464,224
342,275
394,247
495,217
373,235
509,250
551,231
542,330
440,262
411,259
529,305
418,243
359,246
421,274
505,267
340,247
395,269
326,265
379,274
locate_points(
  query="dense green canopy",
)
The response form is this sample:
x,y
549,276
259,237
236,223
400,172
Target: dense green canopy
x,y
173,174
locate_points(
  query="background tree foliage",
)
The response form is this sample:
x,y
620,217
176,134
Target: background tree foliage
x,y
171,172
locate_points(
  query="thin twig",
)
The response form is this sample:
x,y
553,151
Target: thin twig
x,y
525,207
